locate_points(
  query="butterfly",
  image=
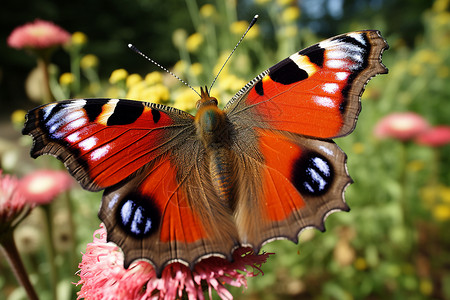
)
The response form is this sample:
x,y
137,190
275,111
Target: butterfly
x,y
179,188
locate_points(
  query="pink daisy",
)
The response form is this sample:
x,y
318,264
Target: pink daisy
x,y
38,35
435,137
401,126
42,186
104,277
13,203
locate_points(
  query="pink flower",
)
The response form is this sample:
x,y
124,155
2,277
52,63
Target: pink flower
x,y
401,126
13,204
42,186
435,137
38,35
104,277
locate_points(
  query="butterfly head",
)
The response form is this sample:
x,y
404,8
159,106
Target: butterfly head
x,y
205,99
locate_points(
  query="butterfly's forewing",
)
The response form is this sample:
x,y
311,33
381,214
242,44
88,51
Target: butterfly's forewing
x,y
158,202
290,112
97,138
316,91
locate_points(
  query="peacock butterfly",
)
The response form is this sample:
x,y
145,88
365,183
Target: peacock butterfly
x,y
180,188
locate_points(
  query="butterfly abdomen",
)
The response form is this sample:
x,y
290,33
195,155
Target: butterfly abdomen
x,y
213,131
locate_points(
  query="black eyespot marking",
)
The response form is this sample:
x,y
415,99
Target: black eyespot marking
x,y
315,54
138,216
287,72
126,112
156,114
312,174
259,88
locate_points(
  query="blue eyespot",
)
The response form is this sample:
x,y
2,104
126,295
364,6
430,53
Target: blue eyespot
x,y
313,174
137,216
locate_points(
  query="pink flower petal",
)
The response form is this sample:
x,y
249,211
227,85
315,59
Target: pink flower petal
x,y
12,202
103,276
401,126
435,137
38,35
43,186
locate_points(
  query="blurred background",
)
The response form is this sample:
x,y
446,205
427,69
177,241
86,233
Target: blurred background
x,y
393,244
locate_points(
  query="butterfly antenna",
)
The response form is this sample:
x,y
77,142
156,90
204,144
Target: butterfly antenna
x,y
255,18
132,47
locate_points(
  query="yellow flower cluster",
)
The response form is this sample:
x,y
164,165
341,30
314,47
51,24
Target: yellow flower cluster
x,y
437,199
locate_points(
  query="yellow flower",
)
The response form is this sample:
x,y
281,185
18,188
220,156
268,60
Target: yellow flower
x,y
415,165
360,264
135,91
89,61
440,5
66,78
426,287
18,116
186,99
207,10
157,93
358,148
290,31
239,27
445,193
153,78
118,75
427,56
114,92
442,212
179,37
196,69
443,72
133,79
194,42
180,67
290,14
285,2
79,38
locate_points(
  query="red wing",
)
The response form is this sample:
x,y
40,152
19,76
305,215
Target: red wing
x,y
159,203
165,216
315,92
292,174
103,141
298,180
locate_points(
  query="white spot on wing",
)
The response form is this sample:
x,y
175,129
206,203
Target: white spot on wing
x,y
113,201
100,152
48,109
341,75
330,87
324,101
76,124
358,37
326,150
336,64
88,143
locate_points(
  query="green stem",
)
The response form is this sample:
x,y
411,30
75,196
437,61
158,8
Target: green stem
x,y
43,63
9,248
50,247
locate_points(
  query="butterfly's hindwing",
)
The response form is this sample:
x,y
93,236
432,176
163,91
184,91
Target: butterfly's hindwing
x,y
302,180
